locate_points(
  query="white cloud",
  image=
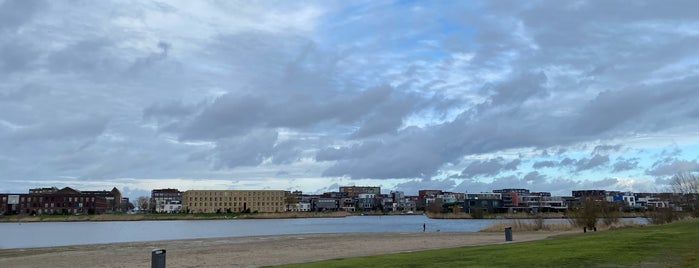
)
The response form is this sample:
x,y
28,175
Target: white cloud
x,y
407,95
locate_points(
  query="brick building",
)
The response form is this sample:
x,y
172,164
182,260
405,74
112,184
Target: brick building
x,y
53,201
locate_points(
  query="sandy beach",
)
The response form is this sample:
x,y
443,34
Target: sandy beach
x,y
250,251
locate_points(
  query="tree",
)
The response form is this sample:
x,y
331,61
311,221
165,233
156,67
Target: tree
x,y
143,203
684,183
290,200
685,186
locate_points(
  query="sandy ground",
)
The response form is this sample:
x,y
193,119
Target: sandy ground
x,y
250,251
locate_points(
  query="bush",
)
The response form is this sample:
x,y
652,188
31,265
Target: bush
x,y
477,213
662,216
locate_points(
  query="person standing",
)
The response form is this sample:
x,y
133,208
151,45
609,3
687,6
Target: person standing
x,y
423,227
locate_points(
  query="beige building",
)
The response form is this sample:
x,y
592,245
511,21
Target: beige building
x,y
212,201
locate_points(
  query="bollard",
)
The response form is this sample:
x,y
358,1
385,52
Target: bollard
x,y
157,258
508,233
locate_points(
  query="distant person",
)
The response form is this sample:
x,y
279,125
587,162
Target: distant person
x,y
423,227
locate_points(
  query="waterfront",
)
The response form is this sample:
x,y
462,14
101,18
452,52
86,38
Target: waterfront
x,y
50,234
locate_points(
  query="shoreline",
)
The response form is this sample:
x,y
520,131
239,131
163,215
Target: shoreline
x,y
284,215
252,251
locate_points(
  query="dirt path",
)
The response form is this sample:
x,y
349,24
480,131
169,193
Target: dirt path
x,y
249,251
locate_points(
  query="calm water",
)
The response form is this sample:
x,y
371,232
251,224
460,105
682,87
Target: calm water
x,y
48,234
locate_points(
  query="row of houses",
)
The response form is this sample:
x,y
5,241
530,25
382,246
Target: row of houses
x,y
347,198
62,201
370,198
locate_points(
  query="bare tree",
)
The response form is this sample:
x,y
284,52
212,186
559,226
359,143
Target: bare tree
x,y
686,186
143,203
685,183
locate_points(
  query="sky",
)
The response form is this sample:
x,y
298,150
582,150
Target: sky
x,y
464,96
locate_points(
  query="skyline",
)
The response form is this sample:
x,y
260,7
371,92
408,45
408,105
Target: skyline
x,y
465,97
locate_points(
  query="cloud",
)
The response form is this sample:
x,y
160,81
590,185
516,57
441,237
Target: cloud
x,y
594,162
623,164
247,150
489,167
669,167
328,90
15,13
544,164
606,149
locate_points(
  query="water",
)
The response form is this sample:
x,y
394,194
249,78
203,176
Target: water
x,y
49,234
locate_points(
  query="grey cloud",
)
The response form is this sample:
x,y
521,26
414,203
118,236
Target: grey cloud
x,y
73,128
353,151
534,177
489,167
595,161
544,164
17,55
23,94
605,183
606,149
15,13
520,88
248,150
233,114
669,167
286,152
172,110
512,165
149,61
567,162
623,164
409,156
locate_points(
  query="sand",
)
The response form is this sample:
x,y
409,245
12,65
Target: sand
x,y
250,251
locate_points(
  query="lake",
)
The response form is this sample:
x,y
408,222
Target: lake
x,y
49,234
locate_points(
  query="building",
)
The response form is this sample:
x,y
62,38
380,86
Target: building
x,y
54,201
160,198
172,206
226,201
486,202
596,194
325,204
355,191
113,198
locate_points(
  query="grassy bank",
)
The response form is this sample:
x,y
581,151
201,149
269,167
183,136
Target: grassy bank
x,y
523,225
522,215
671,245
151,217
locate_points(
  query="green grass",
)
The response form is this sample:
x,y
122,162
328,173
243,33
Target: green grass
x,y
670,245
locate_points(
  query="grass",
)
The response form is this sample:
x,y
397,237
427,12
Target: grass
x,y
521,225
670,245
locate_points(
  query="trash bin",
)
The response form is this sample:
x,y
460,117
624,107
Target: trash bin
x,y
157,258
508,233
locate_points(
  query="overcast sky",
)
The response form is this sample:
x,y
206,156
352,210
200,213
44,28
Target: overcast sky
x,y
463,96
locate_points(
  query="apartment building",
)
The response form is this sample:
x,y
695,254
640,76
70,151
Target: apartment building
x,y
226,201
166,200
54,201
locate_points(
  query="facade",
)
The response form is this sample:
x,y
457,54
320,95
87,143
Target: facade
x,y
160,198
325,204
171,207
63,201
225,201
354,191
113,198
597,194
